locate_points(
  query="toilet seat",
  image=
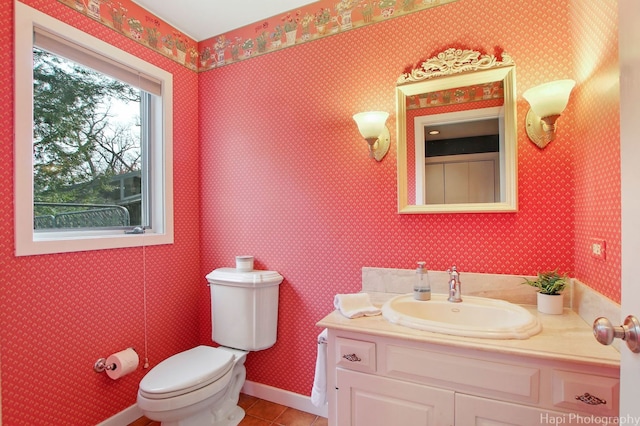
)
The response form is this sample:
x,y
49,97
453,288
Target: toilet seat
x,y
186,372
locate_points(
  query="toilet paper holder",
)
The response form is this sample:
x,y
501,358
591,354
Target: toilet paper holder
x,y
101,366
118,364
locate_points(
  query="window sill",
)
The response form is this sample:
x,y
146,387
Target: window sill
x,y
67,242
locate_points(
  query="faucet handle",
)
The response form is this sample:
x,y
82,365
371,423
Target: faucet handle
x,y
453,271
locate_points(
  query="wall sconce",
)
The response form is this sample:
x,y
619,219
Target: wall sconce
x,y
372,126
547,102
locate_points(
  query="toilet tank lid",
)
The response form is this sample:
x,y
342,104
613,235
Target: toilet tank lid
x,y
233,277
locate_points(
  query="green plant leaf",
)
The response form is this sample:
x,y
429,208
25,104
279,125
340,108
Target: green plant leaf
x,y
551,282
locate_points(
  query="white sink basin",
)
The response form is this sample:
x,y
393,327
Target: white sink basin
x,y
473,317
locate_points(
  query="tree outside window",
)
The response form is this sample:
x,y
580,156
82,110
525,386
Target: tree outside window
x,y
87,146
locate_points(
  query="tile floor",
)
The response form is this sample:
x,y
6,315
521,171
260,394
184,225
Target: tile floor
x,y
260,412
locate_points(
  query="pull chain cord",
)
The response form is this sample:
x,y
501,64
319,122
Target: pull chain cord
x,y
144,104
144,294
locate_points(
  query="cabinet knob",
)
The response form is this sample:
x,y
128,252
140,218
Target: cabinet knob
x,y
605,332
351,357
589,399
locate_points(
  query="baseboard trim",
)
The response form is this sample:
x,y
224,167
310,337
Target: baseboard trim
x,y
124,417
283,397
269,393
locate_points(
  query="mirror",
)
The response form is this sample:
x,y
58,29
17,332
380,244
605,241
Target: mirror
x,y
456,135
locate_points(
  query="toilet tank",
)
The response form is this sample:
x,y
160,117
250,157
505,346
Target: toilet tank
x,y
244,308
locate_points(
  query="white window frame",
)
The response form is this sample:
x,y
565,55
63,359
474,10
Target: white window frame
x,y
28,242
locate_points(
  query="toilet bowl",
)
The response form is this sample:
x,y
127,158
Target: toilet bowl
x,y
195,387
201,386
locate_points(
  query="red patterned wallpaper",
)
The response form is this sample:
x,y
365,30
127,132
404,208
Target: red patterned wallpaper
x,y
60,313
276,168
597,152
286,177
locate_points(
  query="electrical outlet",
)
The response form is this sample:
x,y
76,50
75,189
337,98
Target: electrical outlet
x,y
598,248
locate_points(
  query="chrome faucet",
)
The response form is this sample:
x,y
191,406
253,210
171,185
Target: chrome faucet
x,y
455,291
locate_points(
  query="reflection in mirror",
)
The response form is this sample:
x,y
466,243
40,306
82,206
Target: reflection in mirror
x,y
457,135
458,157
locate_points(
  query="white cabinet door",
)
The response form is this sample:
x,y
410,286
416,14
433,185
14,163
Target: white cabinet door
x,y
461,182
434,184
368,400
482,182
456,182
474,411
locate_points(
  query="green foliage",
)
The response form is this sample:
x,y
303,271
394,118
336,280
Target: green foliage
x,y
550,282
77,150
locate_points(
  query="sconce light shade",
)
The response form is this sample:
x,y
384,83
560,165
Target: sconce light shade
x,y
372,127
371,123
547,102
549,98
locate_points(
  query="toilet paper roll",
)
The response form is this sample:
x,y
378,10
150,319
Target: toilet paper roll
x,y
122,363
244,263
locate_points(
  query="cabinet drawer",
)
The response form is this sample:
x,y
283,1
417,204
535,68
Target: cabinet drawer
x,y
356,354
600,394
475,376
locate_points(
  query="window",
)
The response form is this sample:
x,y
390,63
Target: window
x,y
93,142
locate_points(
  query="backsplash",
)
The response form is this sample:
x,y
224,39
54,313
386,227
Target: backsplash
x,y
384,283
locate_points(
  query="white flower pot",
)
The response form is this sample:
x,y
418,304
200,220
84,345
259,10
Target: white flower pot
x,y
291,37
550,303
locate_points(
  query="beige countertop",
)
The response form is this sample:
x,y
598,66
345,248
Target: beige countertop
x,y
565,337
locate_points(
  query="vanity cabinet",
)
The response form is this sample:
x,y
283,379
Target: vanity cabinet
x,y
367,399
379,380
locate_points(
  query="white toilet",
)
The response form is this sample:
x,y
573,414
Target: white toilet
x,y
201,386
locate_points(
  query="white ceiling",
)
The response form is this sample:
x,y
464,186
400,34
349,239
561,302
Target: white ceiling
x,y
203,19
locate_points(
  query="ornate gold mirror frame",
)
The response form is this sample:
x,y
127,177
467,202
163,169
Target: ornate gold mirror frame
x,y
459,73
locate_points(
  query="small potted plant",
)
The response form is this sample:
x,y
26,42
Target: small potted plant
x,y
550,285
323,16
135,28
205,55
290,24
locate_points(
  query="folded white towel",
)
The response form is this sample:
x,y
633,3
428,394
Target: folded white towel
x,y
355,305
319,390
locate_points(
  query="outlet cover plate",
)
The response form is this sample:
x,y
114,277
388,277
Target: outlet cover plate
x,y
598,248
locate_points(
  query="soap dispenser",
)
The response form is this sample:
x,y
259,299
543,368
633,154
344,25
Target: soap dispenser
x,y
422,288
